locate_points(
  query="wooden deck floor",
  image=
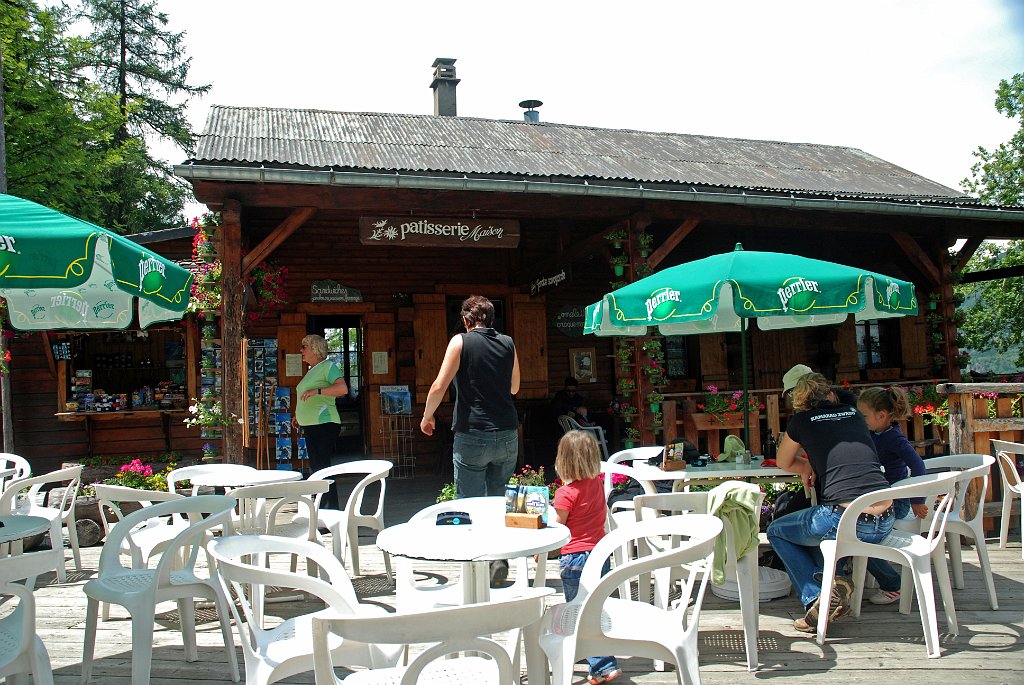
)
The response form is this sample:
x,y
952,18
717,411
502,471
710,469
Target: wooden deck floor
x,y
881,646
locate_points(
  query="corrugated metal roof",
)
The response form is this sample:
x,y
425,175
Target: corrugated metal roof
x,y
465,145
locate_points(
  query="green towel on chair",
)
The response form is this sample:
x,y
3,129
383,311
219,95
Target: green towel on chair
x,y
737,503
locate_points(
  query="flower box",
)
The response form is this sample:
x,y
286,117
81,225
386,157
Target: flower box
x,y
724,421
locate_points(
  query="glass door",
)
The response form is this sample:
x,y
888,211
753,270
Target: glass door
x,y
344,336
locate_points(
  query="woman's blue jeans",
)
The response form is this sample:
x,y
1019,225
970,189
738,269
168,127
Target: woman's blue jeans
x,y
570,568
795,539
484,461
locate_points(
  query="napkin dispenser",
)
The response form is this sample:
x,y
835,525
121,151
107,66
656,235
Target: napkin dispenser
x,y
453,518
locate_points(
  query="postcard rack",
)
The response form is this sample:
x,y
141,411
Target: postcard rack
x,y
396,436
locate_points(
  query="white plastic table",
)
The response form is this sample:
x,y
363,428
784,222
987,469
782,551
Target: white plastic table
x,y
14,531
475,546
236,476
754,470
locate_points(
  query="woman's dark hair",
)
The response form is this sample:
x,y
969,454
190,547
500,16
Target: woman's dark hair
x,y
892,399
477,309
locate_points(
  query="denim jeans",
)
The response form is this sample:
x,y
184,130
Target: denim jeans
x,y
887,577
570,567
795,539
484,461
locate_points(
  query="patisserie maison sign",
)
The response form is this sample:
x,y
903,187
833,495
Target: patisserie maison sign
x,y
438,231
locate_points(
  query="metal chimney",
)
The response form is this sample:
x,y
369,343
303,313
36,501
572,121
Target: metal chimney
x,y
444,86
531,115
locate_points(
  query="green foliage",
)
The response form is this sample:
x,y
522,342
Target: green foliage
x,y
998,175
993,317
448,493
76,111
57,122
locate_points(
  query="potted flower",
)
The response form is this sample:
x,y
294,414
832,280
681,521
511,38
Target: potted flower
x,y
631,437
644,241
210,331
531,476
616,236
624,353
628,411
654,399
626,386
210,452
720,406
618,263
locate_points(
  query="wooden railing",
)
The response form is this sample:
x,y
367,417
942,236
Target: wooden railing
x,y
970,427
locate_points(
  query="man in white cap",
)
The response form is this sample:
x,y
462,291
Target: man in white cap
x,y
793,375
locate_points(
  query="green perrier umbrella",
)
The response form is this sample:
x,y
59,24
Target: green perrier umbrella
x,y
719,293
58,272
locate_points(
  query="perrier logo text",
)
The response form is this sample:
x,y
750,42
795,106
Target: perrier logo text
x,y
795,294
659,304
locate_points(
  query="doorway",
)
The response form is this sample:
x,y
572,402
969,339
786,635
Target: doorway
x,y
344,336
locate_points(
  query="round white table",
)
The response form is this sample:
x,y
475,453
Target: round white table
x,y
728,469
14,531
474,545
235,476
16,528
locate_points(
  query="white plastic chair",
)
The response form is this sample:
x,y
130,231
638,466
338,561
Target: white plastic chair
x,y
744,569
411,596
60,517
965,518
344,524
918,552
453,629
1011,488
570,424
150,537
272,654
18,468
21,649
140,590
594,623
261,506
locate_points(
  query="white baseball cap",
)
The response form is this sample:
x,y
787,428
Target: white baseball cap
x,y
793,375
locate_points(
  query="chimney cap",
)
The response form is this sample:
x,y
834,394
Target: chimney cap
x,y
447,61
530,104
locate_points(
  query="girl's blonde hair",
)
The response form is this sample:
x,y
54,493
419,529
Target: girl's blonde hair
x,y
892,399
578,456
810,391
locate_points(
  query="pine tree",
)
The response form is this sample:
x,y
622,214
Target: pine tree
x,y
145,66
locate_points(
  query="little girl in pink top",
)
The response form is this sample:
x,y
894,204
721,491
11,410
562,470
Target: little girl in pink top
x,y
581,507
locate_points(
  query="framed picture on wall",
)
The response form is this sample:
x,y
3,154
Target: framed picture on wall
x,y
581,363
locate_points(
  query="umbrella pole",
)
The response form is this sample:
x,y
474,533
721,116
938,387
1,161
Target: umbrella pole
x,y
746,385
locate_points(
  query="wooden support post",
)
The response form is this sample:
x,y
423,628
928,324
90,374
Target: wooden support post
x,y
231,327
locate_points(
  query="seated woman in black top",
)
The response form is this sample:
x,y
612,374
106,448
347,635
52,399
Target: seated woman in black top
x,y
841,455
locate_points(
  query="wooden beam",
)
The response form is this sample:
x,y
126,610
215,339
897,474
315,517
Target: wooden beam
x,y
583,248
677,236
967,251
292,223
993,274
918,257
49,357
232,288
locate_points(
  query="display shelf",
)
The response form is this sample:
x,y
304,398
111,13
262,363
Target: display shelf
x,y
396,433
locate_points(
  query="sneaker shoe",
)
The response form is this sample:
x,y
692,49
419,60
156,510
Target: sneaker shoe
x,y
884,597
842,590
606,677
499,572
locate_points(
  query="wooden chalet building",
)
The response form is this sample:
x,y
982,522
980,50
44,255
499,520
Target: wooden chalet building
x,y
409,214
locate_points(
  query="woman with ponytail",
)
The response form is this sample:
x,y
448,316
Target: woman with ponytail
x,y
883,409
